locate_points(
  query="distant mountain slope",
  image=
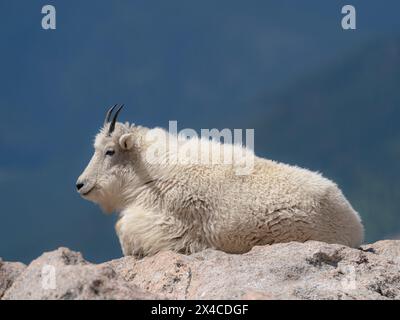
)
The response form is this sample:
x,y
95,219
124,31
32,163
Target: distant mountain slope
x,y
344,122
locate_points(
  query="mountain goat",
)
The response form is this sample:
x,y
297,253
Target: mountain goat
x,y
187,207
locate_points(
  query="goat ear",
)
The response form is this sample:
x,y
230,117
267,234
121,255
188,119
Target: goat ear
x,y
126,141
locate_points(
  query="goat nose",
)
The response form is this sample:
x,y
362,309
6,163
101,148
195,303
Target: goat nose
x,y
79,186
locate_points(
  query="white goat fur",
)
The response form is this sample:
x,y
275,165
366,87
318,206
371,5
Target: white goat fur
x,y
190,207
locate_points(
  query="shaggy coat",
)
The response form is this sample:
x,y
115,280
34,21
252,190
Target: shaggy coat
x,y
187,207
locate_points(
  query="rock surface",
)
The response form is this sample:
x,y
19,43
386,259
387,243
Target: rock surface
x,y
9,271
64,274
311,270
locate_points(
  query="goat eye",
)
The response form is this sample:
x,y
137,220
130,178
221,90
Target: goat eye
x,y
110,152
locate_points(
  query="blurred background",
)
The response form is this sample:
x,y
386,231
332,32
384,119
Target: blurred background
x,y
318,97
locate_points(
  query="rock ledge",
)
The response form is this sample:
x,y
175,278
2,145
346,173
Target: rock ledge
x,y
311,270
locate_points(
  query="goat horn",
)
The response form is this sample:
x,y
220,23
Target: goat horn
x,y
114,119
108,114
